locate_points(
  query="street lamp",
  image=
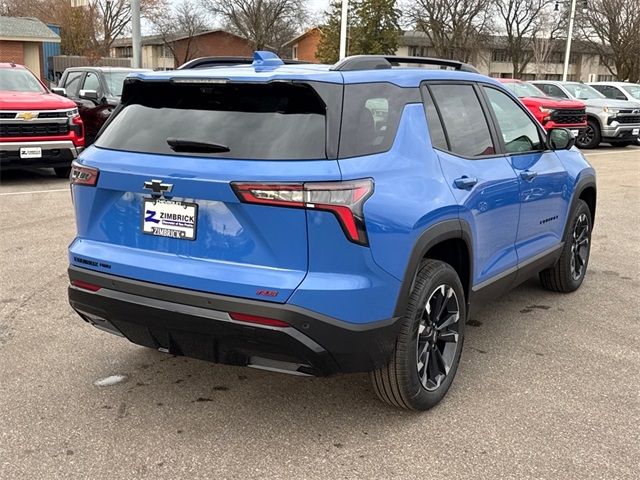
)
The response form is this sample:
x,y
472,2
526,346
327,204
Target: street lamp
x,y
567,49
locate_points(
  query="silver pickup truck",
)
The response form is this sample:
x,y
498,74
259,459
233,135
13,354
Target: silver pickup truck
x,y
613,121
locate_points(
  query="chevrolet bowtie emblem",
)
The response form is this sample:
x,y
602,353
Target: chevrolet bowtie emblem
x,y
157,187
27,115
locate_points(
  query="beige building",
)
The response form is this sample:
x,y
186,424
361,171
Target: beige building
x,y
584,64
155,54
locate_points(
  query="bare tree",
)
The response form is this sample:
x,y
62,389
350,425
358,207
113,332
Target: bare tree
x,y
456,29
267,24
115,18
546,40
184,21
612,27
522,19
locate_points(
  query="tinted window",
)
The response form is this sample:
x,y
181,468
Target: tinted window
x,y
553,91
72,83
91,82
611,92
370,117
519,132
464,121
275,121
438,138
19,80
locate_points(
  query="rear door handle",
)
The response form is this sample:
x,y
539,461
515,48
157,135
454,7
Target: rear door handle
x,y
528,175
465,183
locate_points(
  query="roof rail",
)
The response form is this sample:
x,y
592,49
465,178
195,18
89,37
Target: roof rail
x,y
378,62
206,62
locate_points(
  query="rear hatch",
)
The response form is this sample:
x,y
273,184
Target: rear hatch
x,y
164,210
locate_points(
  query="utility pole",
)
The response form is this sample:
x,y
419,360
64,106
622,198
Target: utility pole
x,y
567,49
136,39
343,29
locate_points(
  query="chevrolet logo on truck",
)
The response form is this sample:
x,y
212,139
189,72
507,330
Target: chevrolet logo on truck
x,y
26,116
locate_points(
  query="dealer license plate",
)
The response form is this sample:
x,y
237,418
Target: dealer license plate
x,y
635,131
30,152
166,218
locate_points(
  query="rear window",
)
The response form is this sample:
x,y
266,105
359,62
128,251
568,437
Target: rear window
x,y
275,121
371,115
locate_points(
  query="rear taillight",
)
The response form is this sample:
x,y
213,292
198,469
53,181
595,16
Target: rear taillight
x,y
81,175
344,199
243,317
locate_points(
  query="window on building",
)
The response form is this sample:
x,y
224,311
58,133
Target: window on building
x,y
294,52
415,51
605,78
500,56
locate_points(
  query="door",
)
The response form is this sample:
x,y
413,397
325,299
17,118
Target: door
x,y
543,179
92,111
481,180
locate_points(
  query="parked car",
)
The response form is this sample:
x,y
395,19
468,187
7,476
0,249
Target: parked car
x,y
263,219
618,90
96,91
550,112
613,121
37,127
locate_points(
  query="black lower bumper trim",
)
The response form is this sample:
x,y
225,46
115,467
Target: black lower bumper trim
x,y
196,324
50,158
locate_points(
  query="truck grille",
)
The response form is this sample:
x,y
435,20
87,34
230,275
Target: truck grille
x,y
33,129
569,116
628,119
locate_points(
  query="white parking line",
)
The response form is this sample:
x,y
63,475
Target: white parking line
x,y
34,191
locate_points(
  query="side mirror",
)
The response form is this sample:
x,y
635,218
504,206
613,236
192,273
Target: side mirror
x,y
560,139
89,95
59,91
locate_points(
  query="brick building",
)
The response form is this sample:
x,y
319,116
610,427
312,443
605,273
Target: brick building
x,y
305,46
21,41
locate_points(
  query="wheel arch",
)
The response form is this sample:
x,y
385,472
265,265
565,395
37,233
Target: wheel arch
x,y
448,241
586,190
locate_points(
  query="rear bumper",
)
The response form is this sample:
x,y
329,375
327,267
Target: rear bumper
x,y
58,153
197,324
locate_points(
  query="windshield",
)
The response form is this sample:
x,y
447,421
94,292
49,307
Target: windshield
x,y
634,90
522,89
115,81
19,80
583,92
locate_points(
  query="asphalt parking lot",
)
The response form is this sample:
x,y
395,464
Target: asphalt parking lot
x,y
548,387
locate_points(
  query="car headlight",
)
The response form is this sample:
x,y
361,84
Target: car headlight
x,y
610,110
546,111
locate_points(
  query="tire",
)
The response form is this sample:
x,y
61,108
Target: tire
x,y
407,382
621,144
569,271
590,136
62,172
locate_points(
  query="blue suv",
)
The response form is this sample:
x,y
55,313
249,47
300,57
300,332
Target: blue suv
x,y
316,219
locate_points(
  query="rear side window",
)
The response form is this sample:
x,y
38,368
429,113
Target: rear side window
x,y
464,121
370,117
72,83
438,137
274,121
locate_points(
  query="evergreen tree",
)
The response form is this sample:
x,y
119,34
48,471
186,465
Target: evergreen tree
x,y
377,27
329,46
372,28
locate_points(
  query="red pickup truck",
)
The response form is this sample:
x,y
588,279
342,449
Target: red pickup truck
x,y
37,128
549,111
